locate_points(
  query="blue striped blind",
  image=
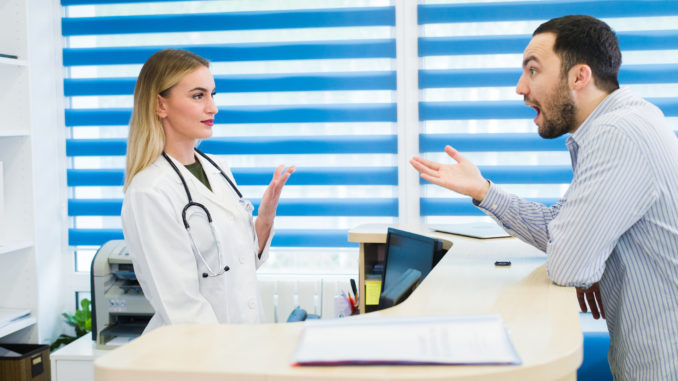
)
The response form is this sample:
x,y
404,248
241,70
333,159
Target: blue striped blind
x,y
471,55
293,97
316,88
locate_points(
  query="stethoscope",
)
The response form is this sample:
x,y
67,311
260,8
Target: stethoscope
x,y
247,205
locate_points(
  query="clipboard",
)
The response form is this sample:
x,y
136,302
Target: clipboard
x,y
481,230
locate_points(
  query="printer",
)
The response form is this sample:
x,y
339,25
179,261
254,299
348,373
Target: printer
x,y
120,311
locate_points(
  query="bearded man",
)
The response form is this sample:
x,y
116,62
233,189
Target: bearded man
x,y
614,233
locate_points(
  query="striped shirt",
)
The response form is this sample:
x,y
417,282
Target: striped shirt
x,y
616,224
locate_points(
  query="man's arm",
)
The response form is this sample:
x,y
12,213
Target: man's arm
x,y
524,219
463,177
613,187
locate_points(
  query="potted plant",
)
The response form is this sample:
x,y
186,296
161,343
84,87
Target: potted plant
x,y
81,321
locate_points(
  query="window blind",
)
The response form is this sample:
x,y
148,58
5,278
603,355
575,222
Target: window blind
x,y
471,58
306,87
314,85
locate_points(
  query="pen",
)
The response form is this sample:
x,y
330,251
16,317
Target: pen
x,y
354,307
355,289
351,302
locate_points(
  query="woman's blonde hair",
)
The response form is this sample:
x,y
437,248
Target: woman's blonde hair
x,y
160,73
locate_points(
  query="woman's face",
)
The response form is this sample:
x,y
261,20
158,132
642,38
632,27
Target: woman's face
x,y
188,110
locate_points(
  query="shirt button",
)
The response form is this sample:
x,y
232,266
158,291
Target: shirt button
x,y
494,206
251,304
242,260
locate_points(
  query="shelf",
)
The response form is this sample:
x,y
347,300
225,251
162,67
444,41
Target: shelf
x,y
22,107
12,246
12,62
82,349
17,325
13,133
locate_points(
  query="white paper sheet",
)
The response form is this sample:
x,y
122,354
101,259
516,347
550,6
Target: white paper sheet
x,y
443,340
9,315
473,229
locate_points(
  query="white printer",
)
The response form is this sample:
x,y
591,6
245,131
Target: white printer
x,y
120,312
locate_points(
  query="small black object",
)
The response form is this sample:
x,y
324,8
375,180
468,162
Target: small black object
x,y
226,268
502,263
204,275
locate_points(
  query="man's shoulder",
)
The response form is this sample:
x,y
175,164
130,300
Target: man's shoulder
x,y
628,110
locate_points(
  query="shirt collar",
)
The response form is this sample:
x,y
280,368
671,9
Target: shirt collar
x,y
584,131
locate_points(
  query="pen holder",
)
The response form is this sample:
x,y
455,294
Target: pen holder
x,y
342,307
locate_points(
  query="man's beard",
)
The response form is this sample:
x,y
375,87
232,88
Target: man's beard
x,y
563,108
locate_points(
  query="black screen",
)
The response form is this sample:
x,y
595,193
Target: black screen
x,y
404,251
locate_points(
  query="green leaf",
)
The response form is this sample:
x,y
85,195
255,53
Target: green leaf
x,y
70,320
82,320
80,316
61,340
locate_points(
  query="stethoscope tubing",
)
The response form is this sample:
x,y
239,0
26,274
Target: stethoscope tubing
x,y
192,203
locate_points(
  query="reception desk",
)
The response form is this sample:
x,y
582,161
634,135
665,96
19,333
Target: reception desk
x,y
542,319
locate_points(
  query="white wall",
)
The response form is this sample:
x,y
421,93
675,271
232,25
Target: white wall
x,y
49,163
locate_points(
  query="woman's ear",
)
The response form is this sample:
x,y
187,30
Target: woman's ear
x,y
161,107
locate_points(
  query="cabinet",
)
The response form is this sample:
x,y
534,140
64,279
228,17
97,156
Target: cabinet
x,y
75,361
32,217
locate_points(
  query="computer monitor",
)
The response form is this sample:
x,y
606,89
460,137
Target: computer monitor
x,y
401,289
405,250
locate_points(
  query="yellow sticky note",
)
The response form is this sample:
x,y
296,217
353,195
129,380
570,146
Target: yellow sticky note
x,y
372,291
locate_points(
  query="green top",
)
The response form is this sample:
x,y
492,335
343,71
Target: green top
x,y
197,171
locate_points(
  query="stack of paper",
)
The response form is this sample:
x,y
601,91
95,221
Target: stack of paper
x,y
462,340
10,315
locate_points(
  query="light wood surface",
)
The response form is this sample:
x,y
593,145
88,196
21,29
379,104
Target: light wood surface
x,y
542,319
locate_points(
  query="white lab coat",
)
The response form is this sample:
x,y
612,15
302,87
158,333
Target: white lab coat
x,y
168,271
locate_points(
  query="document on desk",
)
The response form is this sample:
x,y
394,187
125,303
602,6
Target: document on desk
x,y
482,230
439,340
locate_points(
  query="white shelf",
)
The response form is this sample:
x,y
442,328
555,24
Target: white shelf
x,y
31,127
84,348
13,133
12,246
16,325
75,361
12,62
29,110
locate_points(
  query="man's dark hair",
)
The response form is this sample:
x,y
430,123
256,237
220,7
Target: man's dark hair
x,y
586,40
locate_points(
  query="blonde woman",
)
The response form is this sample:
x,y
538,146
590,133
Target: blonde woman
x,y
191,235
